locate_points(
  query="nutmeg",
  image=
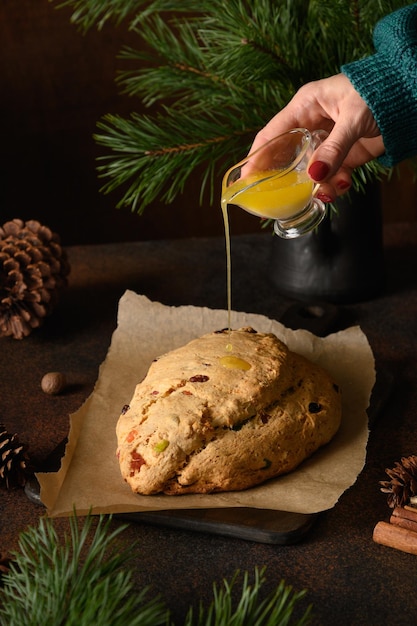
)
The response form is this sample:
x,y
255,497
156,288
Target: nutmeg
x,y
53,383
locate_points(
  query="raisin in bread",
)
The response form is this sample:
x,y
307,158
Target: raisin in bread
x,y
204,420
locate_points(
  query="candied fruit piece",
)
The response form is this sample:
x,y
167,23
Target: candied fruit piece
x,y
161,446
136,462
130,437
199,378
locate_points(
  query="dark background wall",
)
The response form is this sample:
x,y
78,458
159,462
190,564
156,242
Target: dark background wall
x,y
55,83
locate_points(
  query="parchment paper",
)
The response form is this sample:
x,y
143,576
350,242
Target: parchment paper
x,y
89,478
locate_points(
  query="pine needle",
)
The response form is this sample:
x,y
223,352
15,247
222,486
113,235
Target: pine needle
x,y
75,583
228,608
215,73
81,580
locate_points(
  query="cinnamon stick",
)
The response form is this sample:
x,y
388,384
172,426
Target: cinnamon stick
x,y
396,537
410,510
404,517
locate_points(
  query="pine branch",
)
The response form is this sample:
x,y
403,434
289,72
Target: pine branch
x,y
73,583
174,63
250,607
87,13
82,580
156,156
216,72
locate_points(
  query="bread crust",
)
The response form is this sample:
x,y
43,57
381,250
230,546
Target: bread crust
x,y
196,426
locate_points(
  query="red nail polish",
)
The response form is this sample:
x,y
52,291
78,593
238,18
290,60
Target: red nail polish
x,y
318,170
343,185
324,197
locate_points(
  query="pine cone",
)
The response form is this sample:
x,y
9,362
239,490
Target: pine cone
x,y
13,468
403,482
33,269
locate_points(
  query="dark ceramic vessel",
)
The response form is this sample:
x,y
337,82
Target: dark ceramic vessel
x,y
342,261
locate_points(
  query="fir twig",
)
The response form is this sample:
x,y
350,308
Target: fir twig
x,y
81,580
214,70
73,583
86,14
154,157
89,13
276,609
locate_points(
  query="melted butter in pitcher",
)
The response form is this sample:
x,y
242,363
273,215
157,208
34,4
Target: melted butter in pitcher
x,y
234,362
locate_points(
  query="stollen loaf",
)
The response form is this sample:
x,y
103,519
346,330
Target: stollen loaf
x,y
225,412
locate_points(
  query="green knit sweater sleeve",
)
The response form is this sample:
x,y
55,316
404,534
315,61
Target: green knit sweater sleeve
x,y
387,81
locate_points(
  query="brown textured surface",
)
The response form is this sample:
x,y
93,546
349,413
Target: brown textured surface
x,y
351,579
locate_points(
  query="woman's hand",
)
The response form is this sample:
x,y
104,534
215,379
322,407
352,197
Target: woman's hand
x,y
331,104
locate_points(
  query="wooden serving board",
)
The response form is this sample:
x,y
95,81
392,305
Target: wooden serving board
x,y
259,525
